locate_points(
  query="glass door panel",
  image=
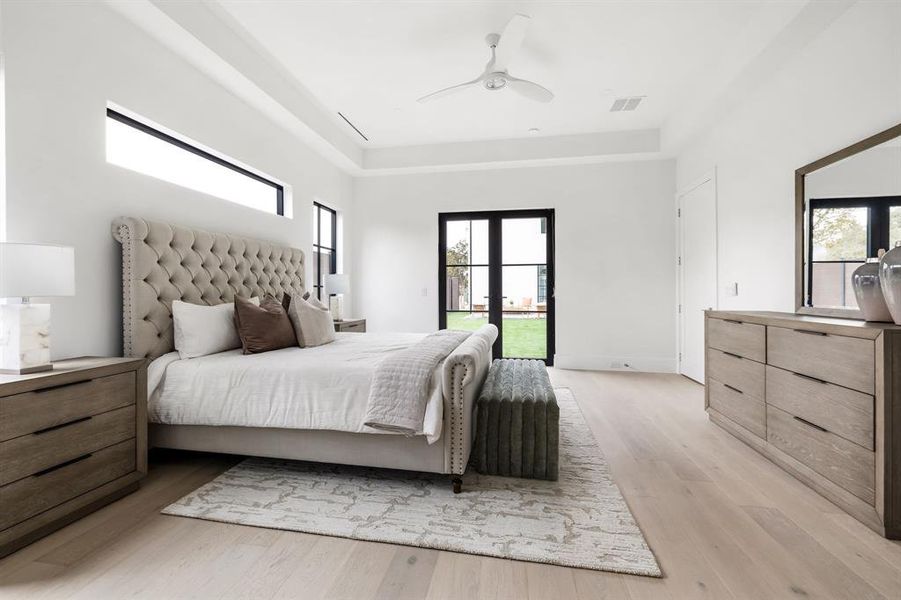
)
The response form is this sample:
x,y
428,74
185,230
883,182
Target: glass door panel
x,y
524,287
525,335
466,283
524,241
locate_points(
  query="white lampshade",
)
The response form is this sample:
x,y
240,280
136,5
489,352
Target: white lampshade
x,y
338,283
28,270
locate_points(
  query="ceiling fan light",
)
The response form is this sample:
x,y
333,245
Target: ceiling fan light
x,y
495,82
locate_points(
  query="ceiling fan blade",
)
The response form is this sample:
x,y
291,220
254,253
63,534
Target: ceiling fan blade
x,y
511,39
448,91
529,89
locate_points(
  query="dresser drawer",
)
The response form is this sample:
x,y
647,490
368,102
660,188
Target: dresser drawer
x,y
26,413
44,490
28,454
846,413
744,409
738,337
744,374
844,463
845,361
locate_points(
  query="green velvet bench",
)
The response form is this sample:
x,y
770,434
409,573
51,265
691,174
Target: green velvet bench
x,y
517,428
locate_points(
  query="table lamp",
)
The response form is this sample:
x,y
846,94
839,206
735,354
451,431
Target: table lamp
x,y
26,271
337,285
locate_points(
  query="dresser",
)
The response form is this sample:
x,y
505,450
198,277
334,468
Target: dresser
x,y
71,440
351,325
816,396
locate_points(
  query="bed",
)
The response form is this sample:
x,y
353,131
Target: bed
x,y
295,403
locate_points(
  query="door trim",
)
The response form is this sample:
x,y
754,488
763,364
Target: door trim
x,y
495,269
680,249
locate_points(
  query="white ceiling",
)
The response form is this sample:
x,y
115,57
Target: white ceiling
x,y
371,60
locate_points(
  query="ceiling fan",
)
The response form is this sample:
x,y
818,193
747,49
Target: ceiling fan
x,y
495,76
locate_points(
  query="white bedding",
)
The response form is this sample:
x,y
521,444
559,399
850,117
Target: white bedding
x,y
325,387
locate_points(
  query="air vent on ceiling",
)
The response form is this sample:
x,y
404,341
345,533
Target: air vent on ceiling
x,y
627,103
346,120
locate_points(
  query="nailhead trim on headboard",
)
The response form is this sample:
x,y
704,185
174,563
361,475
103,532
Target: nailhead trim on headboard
x,y
163,262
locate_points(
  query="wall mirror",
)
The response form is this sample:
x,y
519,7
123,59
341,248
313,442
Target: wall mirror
x,y
848,207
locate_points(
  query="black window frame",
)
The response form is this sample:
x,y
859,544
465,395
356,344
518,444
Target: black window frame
x,y
319,277
143,127
878,229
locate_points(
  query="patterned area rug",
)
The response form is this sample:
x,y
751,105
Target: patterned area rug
x,y
581,520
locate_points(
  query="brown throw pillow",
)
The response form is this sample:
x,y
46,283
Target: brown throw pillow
x,y
263,328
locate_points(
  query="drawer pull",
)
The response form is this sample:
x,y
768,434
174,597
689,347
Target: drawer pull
x,y
809,424
61,385
732,355
63,464
734,389
808,332
809,378
734,322
60,426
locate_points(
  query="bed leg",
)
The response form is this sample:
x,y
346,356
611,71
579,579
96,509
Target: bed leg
x,y
458,484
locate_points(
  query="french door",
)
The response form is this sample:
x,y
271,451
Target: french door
x,y
498,267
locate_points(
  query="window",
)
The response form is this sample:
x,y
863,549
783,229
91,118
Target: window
x,y
135,145
325,246
842,233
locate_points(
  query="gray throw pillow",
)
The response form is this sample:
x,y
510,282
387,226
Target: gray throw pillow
x,y
312,322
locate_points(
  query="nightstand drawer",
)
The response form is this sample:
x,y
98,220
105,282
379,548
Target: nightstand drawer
x,y
351,326
29,454
23,414
46,489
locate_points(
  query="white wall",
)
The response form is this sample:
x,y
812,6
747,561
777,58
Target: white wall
x,y
64,61
844,86
614,252
873,172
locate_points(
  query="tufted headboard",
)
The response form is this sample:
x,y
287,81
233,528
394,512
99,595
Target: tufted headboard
x,y
163,262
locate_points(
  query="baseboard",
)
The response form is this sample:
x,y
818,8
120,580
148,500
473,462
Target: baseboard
x,y
646,364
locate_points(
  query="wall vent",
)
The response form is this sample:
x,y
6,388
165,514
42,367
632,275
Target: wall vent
x,y
354,127
626,104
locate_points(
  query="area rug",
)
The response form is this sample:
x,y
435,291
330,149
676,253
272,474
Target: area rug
x,y
581,520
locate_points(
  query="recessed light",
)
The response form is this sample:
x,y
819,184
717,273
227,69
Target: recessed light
x,y
534,130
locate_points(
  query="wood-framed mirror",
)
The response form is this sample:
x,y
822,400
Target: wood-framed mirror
x,y
847,208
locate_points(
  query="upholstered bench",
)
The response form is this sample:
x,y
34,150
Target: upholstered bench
x,y
517,422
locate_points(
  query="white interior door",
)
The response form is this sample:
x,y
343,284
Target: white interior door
x,y
698,279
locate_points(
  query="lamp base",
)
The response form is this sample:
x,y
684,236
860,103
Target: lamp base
x,y
336,307
24,338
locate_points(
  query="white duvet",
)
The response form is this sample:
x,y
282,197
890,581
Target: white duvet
x,y
325,387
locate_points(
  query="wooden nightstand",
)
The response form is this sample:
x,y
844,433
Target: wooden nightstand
x,y
71,440
351,325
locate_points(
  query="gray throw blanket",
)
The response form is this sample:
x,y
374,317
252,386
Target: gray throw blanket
x,y
400,386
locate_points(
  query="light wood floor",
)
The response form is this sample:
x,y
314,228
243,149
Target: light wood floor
x,y
723,522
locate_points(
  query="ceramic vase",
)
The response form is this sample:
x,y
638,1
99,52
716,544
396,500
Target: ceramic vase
x,y
890,281
868,290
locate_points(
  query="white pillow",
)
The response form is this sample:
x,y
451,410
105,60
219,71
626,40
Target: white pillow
x,y
312,321
201,330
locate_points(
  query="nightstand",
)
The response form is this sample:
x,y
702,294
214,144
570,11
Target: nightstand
x,y
71,440
351,325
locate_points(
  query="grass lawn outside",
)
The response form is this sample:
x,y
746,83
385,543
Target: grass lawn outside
x,y
523,337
